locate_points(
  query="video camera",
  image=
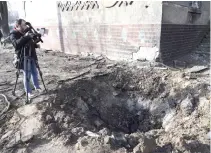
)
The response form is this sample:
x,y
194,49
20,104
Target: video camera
x,y
37,36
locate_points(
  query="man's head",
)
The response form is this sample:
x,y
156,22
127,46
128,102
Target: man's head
x,y
21,25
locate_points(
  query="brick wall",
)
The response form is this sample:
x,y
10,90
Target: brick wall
x,y
177,40
112,40
181,30
119,28
113,29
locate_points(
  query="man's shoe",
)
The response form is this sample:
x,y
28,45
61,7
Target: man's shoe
x,y
30,96
39,90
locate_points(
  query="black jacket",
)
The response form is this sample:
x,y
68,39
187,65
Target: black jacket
x,y
1,34
21,43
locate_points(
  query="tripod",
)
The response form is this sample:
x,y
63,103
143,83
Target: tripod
x,y
27,59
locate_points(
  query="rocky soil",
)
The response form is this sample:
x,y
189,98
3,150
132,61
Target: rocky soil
x,y
94,105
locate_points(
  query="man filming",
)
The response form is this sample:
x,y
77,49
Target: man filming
x,y
22,40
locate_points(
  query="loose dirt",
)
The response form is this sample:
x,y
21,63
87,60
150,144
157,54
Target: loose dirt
x,y
94,105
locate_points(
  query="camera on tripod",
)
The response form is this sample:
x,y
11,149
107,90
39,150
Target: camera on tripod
x,y
37,36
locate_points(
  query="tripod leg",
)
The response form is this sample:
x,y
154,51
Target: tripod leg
x,y
42,80
40,72
26,77
17,76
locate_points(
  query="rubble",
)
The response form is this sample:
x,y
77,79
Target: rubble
x,y
197,69
30,127
23,150
187,105
168,119
133,139
103,132
145,145
79,131
9,133
96,106
28,110
92,134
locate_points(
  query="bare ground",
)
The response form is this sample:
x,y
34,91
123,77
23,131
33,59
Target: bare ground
x,y
94,105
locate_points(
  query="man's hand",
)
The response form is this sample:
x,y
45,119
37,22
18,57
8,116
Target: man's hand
x,y
29,34
28,23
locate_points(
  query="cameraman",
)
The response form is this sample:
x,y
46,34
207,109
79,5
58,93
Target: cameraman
x,y
21,39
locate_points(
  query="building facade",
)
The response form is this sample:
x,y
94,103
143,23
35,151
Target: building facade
x,y
120,29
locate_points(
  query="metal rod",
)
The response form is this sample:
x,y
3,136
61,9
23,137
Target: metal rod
x,y
40,72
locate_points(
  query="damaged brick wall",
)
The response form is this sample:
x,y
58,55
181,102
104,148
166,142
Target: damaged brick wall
x,y
111,40
113,28
120,29
182,28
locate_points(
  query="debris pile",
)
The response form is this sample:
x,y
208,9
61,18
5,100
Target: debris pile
x,y
95,105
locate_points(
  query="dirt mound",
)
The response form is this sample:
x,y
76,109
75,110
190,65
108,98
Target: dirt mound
x,y
123,103
118,109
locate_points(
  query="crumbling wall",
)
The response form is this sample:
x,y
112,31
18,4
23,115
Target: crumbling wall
x,y
117,29
183,27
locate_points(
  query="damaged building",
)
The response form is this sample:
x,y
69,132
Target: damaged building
x,y
88,103
121,29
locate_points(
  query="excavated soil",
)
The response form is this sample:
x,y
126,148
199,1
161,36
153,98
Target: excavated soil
x,y
94,105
